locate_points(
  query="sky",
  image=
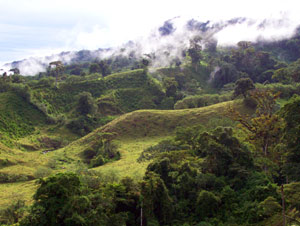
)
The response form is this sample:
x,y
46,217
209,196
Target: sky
x,y
42,27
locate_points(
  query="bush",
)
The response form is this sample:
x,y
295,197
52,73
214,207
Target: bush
x,y
98,161
10,178
86,104
86,124
153,151
167,103
46,82
201,101
100,153
207,204
48,142
250,102
13,213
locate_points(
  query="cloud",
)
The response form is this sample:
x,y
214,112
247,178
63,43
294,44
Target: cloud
x,y
39,28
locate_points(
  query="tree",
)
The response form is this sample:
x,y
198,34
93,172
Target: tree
x,y
104,68
171,86
244,44
264,128
291,114
86,104
16,71
242,87
156,200
226,73
194,51
51,198
94,68
282,75
76,71
13,212
207,204
57,68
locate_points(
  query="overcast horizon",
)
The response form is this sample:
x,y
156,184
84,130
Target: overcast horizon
x,y
34,28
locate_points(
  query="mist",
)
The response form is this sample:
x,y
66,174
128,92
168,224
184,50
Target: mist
x,y
166,42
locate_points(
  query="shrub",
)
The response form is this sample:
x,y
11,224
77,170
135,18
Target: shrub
x,y
101,152
13,212
10,178
207,204
86,104
153,151
201,100
48,142
98,161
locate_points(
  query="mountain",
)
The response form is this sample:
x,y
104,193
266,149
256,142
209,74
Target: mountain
x,y
167,42
173,126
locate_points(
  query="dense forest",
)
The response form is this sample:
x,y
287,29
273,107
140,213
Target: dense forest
x,y
211,139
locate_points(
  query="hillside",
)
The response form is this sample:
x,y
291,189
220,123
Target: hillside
x,y
123,133
133,132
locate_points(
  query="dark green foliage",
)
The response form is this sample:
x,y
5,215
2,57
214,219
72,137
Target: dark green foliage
x,y
101,152
153,151
225,161
291,114
94,68
50,143
286,91
288,75
104,68
16,78
226,74
83,125
55,201
63,199
10,178
76,71
250,102
170,85
46,82
248,60
156,201
194,51
281,75
201,100
225,156
12,213
207,204
167,103
243,86
86,104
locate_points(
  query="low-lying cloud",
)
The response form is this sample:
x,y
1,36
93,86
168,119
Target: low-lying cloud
x,y
167,42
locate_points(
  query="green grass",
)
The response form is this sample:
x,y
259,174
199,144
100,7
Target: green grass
x,y
17,191
133,132
17,117
145,123
130,150
139,129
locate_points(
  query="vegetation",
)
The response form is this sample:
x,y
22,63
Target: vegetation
x,y
212,139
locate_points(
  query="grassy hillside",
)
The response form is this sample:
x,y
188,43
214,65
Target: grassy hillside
x,y
141,126
17,117
119,88
133,131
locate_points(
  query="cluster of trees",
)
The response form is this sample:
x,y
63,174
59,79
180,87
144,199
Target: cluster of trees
x,y
198,178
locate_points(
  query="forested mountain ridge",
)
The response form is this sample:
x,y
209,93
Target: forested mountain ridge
x,y
211,138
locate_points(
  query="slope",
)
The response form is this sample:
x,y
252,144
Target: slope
x,y
135,131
